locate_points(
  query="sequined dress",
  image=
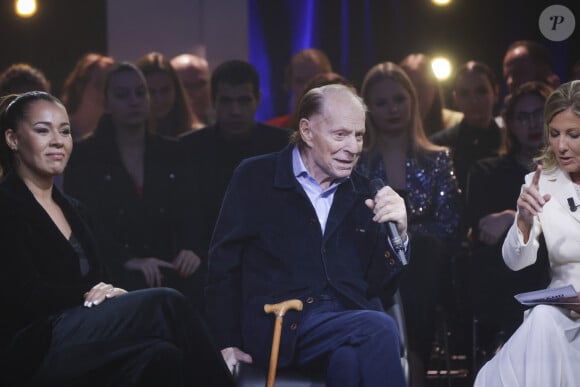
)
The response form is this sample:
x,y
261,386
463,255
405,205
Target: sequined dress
x,y
433,202
432,195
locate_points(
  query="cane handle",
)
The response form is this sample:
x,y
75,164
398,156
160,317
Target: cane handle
x,y
281,308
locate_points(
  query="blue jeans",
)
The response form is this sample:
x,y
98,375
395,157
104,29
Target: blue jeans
x,y
359,347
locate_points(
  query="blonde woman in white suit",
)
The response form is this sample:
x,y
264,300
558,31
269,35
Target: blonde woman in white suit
x,y
545,350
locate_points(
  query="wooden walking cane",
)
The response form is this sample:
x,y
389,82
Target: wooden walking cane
x,y
279,310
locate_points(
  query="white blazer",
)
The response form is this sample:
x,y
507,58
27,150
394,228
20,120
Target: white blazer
x,y
561,229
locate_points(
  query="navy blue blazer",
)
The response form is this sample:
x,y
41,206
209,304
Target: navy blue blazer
x,y
268,247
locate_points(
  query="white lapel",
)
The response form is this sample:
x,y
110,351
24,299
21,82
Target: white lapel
x,y
558,184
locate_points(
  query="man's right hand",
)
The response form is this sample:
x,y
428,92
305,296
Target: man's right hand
x,y
150,269
234,355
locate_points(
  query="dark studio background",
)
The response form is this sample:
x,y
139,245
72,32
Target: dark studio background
x,y
354,33
55,38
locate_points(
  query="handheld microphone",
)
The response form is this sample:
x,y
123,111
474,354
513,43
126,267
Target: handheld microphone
x,y
572,205
391,227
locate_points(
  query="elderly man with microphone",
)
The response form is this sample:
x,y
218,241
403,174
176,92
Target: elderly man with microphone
x,y
300,223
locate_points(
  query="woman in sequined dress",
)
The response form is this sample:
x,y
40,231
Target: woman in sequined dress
x,y
398,151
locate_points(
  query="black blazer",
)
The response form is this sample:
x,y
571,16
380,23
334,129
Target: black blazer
x,y
159,223
469,144
212,160
39,274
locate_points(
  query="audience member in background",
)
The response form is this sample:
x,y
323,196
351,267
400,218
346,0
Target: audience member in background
x,y
304,65
527,60
399,153
22,77
132,181
492,190
545,349
62,323
194,74
478,136
322,79
169,105
431,101
217,150
82,93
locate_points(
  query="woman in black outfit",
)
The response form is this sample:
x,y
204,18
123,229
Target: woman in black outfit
x,y
62,323
492,190
132,182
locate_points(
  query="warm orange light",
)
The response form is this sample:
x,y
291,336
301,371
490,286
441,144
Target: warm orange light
x,y
441,3
25,8
441,68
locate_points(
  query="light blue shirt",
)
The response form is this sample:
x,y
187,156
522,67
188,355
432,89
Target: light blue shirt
x,y
321,199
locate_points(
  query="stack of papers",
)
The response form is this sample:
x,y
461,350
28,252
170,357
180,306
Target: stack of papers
x,y
551,296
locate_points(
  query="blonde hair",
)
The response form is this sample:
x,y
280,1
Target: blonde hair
x,y
565,97
418,141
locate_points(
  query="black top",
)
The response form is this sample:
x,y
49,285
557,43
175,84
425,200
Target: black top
x,y
41,275
84,264
156,220
469,144
213,159
494,185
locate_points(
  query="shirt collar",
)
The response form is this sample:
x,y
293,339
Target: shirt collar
x,y
297,164
300,170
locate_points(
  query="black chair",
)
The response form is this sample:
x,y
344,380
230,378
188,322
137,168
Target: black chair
x,y
248,375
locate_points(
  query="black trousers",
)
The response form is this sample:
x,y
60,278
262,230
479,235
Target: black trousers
x,y
191,287
147,337
420,287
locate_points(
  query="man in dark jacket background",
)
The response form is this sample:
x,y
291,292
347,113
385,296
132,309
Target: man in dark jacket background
x,y
215,151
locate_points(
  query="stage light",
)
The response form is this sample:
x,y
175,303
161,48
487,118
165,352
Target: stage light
x,y
25,8
441,3
441,68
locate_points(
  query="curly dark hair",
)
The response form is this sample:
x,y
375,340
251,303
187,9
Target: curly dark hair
x,y
22,77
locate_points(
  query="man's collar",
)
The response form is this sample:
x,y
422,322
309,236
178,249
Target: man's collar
x,y
285,175
299,168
